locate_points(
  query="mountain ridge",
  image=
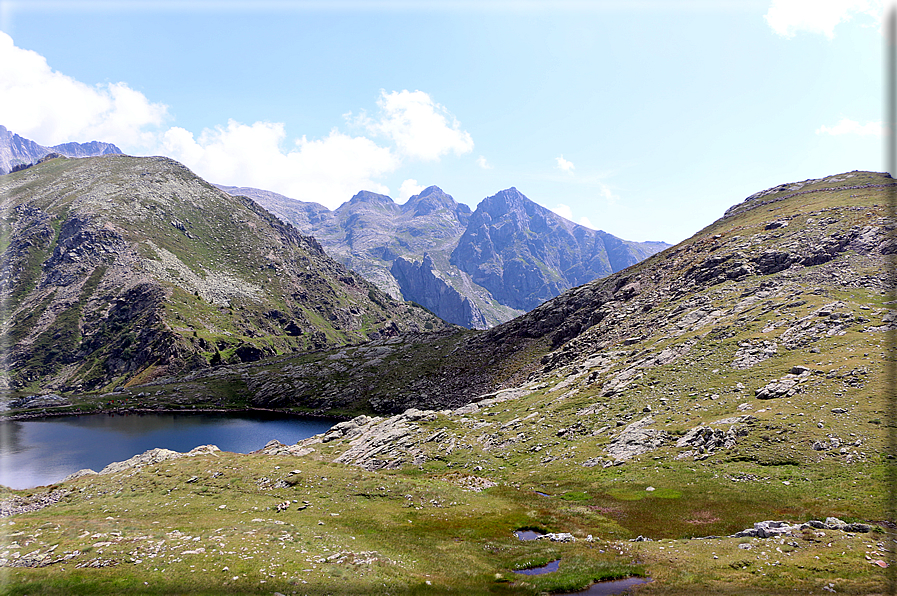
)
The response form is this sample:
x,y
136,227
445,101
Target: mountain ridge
x,y
18,152
370,232
119,269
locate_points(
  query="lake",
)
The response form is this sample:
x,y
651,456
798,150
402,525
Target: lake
x,y
44,451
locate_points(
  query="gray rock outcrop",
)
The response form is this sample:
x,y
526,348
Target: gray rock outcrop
x,y
785,386
703,440
147,458
636,439
771,529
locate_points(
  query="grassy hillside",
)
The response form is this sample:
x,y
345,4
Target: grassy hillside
x,y
735,378
123,269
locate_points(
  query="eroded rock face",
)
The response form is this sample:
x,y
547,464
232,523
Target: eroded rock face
x,y
421,283
525,254
487,267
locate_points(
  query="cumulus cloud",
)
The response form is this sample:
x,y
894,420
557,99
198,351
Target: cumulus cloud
x,y
567,213
563,164
328,171
420,128
787,17
607,194
49,107
481,161
852,127
408,189
564,211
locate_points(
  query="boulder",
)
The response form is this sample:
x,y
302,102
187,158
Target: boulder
x,y
785,386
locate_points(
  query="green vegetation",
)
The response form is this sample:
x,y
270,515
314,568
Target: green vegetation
x,y
678,348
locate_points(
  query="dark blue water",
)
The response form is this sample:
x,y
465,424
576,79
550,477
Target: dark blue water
x,y
44,451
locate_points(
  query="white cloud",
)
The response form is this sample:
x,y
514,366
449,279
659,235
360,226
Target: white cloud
x,y
563,164
328,171
787,17
481,161
567,213
564,211
420,128
408,189
852,127
51,108
607,194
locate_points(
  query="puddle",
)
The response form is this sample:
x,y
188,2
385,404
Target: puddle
x,y
528,534
551,567
609,588
541,494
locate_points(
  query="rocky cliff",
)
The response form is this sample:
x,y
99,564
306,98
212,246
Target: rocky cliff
x,y
18,152
116,270
476,275
423,284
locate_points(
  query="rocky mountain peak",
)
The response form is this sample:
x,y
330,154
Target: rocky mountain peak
x,y
370,232
432,199
371,198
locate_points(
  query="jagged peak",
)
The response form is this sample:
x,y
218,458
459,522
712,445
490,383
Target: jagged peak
x,y
429,200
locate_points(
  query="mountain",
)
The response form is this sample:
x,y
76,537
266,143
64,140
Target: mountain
x,y
525,254
764,289
116,270
715,417
472,269
16,151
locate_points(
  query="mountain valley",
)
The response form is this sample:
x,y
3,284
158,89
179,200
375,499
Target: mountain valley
x,y
712,416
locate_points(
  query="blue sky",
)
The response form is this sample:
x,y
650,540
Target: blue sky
x,y
643,119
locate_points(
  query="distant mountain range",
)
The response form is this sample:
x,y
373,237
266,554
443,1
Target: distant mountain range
x,y
472,269
16,151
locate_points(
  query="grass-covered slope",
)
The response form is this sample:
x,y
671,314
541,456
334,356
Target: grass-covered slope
x,y
735,378
120,269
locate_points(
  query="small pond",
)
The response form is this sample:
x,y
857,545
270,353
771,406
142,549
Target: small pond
x,y
46,450
610,588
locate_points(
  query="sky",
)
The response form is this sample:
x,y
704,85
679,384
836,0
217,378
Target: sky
x,y
645,119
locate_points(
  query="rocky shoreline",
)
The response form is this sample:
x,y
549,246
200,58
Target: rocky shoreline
x,y
138,411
